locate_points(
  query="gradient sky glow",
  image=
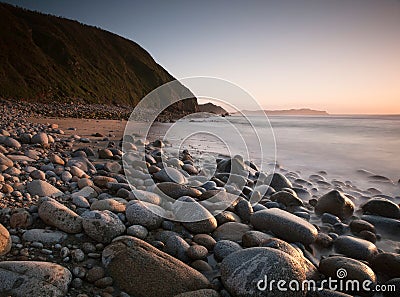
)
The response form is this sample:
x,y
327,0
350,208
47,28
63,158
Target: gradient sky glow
x,y
342,56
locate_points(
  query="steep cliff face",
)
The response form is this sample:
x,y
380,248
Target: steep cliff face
x,y
45,58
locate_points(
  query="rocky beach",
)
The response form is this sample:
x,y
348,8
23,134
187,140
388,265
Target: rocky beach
x,y
82,213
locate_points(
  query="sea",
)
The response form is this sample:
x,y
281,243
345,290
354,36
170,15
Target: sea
x,y
343,147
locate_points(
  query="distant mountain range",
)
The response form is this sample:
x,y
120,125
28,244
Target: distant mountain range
x,y
46,58
301,111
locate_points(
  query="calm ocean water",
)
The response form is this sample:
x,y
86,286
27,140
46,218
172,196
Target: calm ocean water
x,y
339,145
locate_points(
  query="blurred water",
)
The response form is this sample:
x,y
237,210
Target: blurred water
x,y
339,145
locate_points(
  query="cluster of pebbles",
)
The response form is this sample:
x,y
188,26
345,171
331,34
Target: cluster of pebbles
x,y
72,225
80,109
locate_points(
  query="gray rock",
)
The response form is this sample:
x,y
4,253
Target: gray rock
x,y
382,207
137,231
224,248
197,252
177,247
284,225
55,214
31,278
80,201
170,174
42,188
145,214
192,214
102,226
44,236
231,231
335,203
243,270
5,241
278,181
244,210
152,273
355,248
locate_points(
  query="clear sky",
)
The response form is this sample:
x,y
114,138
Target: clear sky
x,y
342,56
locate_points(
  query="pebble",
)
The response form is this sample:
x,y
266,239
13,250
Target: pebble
x,y
102,226
43,188
231,231
137,231
80,201
224,248
146,214
197,252
205,240
254,238
335,203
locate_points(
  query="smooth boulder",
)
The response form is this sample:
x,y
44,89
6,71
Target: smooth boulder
x,y
102,226
5,241
43,188
284,225
152,273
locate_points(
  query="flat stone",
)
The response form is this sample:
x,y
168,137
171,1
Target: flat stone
x,y
20,158
31,278
44,236
152,273
112,205
57,215
284,225
42,188
176,191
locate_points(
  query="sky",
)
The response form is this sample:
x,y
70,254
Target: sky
x,y
342,56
